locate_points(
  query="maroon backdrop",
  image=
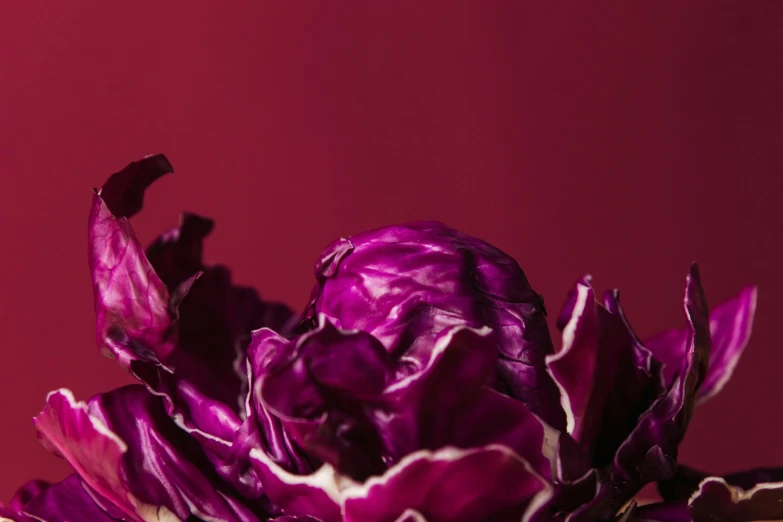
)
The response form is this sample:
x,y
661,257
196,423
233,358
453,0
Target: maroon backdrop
x,y
624,141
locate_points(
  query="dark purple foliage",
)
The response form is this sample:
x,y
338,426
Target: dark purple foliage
x,y
419,385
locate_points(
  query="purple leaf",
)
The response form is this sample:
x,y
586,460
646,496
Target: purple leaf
x,y
731,324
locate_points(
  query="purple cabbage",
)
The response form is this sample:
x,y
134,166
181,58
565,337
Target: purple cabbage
x,y
419,385
406,284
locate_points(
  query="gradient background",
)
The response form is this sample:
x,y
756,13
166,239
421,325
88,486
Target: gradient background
x,y
624,141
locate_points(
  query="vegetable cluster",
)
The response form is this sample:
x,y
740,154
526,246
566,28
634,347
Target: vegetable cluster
x,y
420,384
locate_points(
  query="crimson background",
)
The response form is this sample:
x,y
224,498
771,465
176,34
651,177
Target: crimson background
x,y
624,139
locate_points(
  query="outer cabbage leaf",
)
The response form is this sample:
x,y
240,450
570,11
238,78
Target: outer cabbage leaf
x,y
66,501
26,492
124,447
650,452
179,326
731,324
446,485
344,399
607,380
755,494
718,501
686,481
